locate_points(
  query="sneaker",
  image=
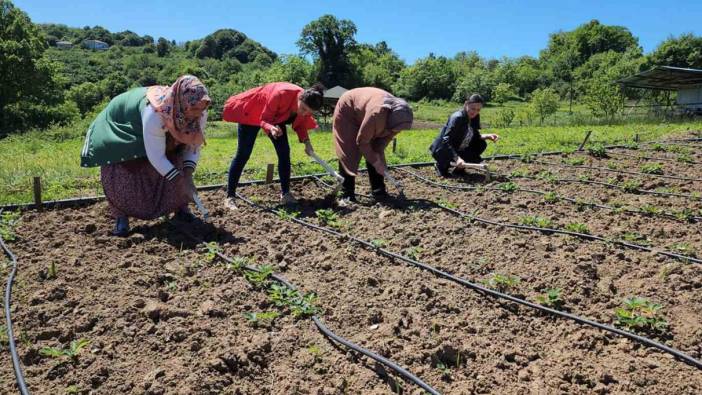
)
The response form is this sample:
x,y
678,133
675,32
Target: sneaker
x,y
288,198
230,203
121,227
347,201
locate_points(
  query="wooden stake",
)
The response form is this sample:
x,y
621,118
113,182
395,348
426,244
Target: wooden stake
x,y
394,145
37,193
587,137
269,173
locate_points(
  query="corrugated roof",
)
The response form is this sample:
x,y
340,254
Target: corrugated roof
x,y
664,78
335,92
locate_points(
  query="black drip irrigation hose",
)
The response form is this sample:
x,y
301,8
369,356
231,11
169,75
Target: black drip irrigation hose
x,y
615,171
329,333
16,365
560,197
490,292
684,258
654,158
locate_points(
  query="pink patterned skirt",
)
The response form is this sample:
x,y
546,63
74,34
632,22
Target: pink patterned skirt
x,y
135,189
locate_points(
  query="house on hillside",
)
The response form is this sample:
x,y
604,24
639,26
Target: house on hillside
x,y
64,45
331,96
95,44
687,83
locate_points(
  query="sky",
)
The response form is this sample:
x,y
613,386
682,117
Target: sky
x,y
412,28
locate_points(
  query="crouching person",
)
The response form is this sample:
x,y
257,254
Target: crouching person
x,y
460,143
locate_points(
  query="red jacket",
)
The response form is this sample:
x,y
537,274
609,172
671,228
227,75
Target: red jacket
x,y
267,106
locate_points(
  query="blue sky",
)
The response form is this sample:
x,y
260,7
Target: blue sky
x,y
412,28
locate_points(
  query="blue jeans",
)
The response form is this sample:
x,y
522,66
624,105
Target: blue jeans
x,y
246,135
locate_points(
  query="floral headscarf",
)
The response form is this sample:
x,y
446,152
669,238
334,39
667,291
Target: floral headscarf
x,y
172,102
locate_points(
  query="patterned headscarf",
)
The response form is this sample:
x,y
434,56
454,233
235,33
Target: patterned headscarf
x,y
172,102
400,116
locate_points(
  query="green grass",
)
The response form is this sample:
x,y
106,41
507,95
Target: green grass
x,y
53,154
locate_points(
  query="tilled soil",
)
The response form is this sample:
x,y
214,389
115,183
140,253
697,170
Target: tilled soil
x,y
163,319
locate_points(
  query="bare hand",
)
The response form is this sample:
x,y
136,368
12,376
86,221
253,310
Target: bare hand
x,y
276,131
492,137
460,163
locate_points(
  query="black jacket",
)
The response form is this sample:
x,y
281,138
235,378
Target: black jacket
x,y
448,142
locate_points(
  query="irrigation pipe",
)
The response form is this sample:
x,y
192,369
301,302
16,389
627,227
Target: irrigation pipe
x,y
16,365
684,258
490,292
329,333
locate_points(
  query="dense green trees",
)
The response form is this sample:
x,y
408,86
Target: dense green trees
x,y
40,84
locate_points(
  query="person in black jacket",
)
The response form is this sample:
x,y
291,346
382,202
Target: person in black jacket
x,y
460,141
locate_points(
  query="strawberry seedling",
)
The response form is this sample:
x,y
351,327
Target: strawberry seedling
x,y
652,168
640,314
551,197
552,298
636,238
631,186
577,228
684,248
72,352
535,220
287,214
258,278
651,210
579,161
8,222
413,252
598,151
262,319
501,282
379,243
328,217
508,187
612,166
212,251
446,204
521,172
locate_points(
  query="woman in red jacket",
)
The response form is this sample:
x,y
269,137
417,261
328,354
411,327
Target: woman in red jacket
x,y
271,107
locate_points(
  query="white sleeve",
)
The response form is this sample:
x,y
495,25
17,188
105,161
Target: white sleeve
x,y
155,144
192,154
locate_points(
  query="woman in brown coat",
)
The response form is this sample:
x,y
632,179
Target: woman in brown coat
x,y
365,121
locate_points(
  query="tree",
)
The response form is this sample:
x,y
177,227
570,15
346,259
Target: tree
x,y
431,78
330,42
503,92
683,51
477,80
376,65
85,95
163,47
29,82
544,102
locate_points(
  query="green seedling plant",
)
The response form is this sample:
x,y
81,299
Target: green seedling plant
x,y
551,197
612,166
305,306
652,168
547,176
316,352
685,215
631,186
259,278
518,173
640,314
237,263
379,243
501,282
685,158
261,319
577,228
446,204
535,220
328,217
300,305
632,145
684,248
677,149
413,252
212,251
579,161
445,370
4,340
72,352
598,151
636,238
72,389
528,158
287,214
651,210
508,187
8,223
584,177
552,298
657,147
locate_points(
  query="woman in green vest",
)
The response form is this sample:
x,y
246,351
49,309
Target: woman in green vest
x,y
147,143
